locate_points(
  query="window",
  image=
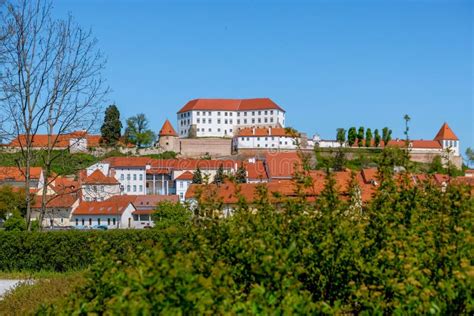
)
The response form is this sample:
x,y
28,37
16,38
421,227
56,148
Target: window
x,y
245,113
266,120
98,221
209,121
128,188
266,145
204,121
271,112
141,188
141,177
134,177
230,130
218,129
259,112
238,113
253,113
230,114
266,138
209,113
230,121
134,188
271,119
210,130
242,138
122,177
90,221
180,184
77,221
225,113
258,145
181,195
259,120
198,120
238,121
258,138
253,120
83,222
245,121
108,221
113,221
248,138
203,113
266,112
218,113
128,176
197,113
226,122
218,121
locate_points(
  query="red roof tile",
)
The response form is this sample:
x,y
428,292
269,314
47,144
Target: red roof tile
x,y
167,130
230,105
445,133
16,174
61,141
256,170
115,205
56,201
262,132
186,176
146,204
282,164
97,177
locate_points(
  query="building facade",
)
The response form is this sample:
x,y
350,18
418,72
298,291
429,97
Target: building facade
x,y
224,117
265,138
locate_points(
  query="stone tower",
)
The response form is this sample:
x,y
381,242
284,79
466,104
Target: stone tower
x,y
168,138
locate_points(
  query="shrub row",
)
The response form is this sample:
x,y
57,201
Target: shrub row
x,y
65,250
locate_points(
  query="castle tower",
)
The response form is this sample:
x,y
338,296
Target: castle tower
x,y
448,139
168,138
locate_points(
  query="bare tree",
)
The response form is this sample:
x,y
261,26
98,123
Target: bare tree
x,y
52,82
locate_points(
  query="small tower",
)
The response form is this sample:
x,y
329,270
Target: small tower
x,y
168,138
448,139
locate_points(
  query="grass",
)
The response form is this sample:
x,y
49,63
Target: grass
x,y
27,299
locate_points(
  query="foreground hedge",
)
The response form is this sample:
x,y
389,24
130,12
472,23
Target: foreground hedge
x,y
65,250
407,253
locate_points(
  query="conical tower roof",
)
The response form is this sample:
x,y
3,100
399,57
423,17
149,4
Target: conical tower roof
x,y
445,133
167,130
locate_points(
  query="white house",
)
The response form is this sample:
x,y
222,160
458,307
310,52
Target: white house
x,y
99,187
224,117
146,206
183,181
116,212
265,138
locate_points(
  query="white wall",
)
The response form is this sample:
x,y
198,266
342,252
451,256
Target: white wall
x,y
132,180
226,123
121,221
99,192
270,142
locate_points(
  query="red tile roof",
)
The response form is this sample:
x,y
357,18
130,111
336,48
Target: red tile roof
x,y
282,164
186,176
445,133
146,204
256,170
16,174
97,177
56,201
230,105
167,130
61,141
115,205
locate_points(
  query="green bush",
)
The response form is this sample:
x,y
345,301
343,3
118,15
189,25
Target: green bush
x,y
65,250
408,252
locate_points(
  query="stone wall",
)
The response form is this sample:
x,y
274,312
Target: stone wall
x,y
198,147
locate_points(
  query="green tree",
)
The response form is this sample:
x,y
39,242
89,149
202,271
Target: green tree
x,y
12,201
341,136
219,177
197,176
368,138
137,131
171,214
351,136
15,222
376,138
112,127
386,135
241,174
436,165
470,155
360,137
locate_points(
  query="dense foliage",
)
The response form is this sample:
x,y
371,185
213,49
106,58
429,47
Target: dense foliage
x,y
64,250
112,127
408,252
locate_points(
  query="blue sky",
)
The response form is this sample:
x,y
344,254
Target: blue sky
x,y
330,64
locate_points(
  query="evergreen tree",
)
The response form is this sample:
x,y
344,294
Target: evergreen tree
x,y
112,126
386,135
368,137
197,176
351,136
360,137
241,175
376,138
219,177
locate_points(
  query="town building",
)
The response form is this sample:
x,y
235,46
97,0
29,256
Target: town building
x,y
224,117
146,206
99,187
15,177
265,138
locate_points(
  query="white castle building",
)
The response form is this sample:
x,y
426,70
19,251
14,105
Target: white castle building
x,y
225,117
